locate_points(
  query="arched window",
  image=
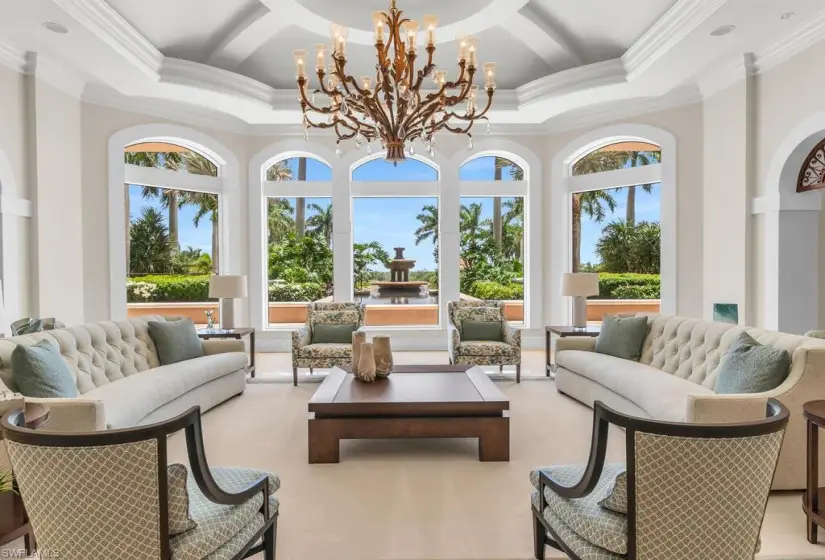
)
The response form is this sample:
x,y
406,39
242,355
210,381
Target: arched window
x,y
492,232
299,237
395,218
173,237
615,227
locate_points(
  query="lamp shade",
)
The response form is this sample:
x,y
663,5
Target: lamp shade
x,y
580,284
227,286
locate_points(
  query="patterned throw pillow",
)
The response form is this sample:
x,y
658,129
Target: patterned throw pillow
x,y
750,367
622,337
476,314
179,519
616,499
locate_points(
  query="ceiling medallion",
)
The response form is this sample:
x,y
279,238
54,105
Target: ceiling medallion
x,y
812,174
391,108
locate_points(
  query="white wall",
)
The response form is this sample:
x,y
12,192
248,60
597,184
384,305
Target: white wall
x,y
726,199
14,188
59,205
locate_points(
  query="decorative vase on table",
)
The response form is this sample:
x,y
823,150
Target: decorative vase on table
x,y
366,363
383,355
358,339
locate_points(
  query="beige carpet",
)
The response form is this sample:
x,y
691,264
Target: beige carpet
x,y
423,499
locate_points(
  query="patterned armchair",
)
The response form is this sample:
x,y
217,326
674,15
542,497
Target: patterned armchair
x,y
481,353
306,354
110,494
689,491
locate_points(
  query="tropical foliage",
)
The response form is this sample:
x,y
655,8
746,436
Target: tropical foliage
x,y
624,247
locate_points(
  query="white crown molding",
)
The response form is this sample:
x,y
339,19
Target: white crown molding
x,y
175,112
14,58
99,18
201,76
626,109
792,44
600,74
666,33
725,74
60,76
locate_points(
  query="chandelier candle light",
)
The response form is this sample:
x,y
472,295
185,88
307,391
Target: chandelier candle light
x,y
391,107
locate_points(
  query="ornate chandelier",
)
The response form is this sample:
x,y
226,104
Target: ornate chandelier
x,y
391,108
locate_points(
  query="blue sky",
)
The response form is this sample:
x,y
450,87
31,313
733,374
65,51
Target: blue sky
x,y
391,221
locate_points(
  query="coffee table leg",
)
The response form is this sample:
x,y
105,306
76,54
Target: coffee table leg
x,y
494,442
323,443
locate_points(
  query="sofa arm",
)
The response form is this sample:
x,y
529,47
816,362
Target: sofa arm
x,y
585,344
213,346
512,335
300,337
453,340
73,415
725,409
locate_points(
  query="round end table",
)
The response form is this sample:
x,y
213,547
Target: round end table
x,y
814,497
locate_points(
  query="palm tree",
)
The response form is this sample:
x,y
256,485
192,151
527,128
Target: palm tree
x,y
321,221
280,220
151,250
513,243
142,159
470,221
279,172
592,202
168,197
300,202
500,164
638,159
364,255
206,203
428,228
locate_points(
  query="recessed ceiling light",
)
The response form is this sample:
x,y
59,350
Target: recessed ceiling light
x,y
723,30
55,27
787,15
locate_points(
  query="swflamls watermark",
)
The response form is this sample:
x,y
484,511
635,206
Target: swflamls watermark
x,y
21,554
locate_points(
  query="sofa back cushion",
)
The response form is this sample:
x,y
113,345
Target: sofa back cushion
x,y
97,353
692,348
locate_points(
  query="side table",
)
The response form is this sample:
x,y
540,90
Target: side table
x,y
14,522
813,499
563,332
236,333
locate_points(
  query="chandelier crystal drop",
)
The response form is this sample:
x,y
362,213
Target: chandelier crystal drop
x,y
392,106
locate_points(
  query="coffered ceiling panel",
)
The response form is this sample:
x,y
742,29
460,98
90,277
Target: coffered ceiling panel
x,y
185,29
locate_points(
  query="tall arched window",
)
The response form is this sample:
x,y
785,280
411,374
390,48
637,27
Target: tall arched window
x,y
492,232
173,231
299,237
395,217
615,226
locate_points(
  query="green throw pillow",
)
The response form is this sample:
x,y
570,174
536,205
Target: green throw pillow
x,y
481,331
176,341
333,334
41,372
622,337
750,367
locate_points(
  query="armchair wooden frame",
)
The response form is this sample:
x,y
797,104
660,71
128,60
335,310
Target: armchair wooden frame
x,y
776,420
12,427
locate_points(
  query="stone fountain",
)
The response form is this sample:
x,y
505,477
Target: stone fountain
x,y
399,283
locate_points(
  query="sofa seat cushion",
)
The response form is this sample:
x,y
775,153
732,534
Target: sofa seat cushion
x,y
130,399
597,525
218,525
660,394
486,348
326,350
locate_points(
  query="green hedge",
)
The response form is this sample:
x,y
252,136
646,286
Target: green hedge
x,y
628,286
308,291
486,289
171,288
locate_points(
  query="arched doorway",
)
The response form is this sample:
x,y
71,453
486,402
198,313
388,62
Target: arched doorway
x,y
788,223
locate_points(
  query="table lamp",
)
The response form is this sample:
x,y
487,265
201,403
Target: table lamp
x,y
579,286
227,287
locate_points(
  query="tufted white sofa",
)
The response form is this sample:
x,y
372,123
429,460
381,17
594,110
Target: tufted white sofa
x,y
120,379
676,374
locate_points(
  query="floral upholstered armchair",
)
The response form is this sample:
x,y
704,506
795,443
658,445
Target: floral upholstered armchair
x,y
503,349
324,355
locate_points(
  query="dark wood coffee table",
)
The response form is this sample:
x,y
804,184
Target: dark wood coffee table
x,y
441,401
